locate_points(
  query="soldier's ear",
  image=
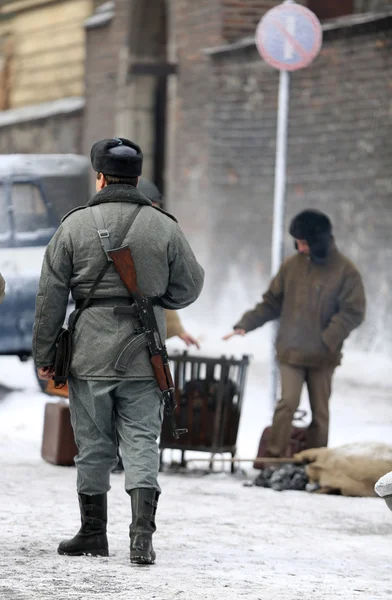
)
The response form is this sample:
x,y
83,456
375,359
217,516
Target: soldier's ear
x,y
101,181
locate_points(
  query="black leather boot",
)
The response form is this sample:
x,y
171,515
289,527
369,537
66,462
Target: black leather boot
x,y
144,506
91,538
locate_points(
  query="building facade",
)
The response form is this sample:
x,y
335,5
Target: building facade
x,y
184,79
192,89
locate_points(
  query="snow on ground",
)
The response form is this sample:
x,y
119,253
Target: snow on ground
x,y
216,538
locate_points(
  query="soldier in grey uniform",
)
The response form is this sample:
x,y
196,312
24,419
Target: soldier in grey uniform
x,y
104,402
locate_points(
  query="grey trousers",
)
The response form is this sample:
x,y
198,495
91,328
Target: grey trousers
x,y
105,412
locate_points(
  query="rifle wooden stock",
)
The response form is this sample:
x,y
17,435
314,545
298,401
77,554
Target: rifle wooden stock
x,y
160,372
123,261
168,376
124,265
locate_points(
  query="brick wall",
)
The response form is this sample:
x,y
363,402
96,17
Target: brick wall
x,y
222,135
340,154
362,6
194,26
103,46
240,17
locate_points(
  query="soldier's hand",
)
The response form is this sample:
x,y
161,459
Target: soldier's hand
x,y
46,373
241,332
189,340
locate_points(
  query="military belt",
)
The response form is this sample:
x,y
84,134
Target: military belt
x,y
111,302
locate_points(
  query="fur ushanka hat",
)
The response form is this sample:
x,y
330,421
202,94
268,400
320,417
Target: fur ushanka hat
x,y
316,228
117,157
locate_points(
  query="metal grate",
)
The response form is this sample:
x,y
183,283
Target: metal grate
x,y
209,394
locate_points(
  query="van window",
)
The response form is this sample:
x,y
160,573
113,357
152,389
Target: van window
x,y
29,209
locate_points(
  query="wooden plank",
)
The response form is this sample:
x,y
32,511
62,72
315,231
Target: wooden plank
x,y
43,44
68,72
16,7
28,96
46,60
12,6
49,50
72,11
266,461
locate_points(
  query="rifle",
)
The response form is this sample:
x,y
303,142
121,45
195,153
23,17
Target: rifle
x,y
149,335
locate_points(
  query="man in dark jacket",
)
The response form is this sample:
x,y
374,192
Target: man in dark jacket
x,y
318,296
107,403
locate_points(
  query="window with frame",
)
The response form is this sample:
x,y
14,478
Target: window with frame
x,y
29,209
331,9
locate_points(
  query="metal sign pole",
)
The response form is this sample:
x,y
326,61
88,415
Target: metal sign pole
x,y
279,209
288,38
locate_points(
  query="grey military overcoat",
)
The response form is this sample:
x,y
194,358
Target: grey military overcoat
x,y
165,265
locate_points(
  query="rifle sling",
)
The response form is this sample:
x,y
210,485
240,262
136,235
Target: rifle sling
x,y
133,347
105,239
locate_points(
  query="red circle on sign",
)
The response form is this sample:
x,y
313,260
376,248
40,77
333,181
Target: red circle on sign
x,y
269,21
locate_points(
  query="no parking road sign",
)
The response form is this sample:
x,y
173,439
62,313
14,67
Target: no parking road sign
x,y
289,37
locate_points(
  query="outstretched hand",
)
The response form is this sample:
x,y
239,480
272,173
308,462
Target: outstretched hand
x,y
189,340
240,332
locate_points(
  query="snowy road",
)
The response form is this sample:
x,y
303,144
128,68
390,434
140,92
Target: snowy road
x,y
216,539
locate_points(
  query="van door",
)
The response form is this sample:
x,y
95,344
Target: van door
x,y
9,331
33,223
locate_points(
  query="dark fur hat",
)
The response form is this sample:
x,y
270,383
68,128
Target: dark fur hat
x,y
117,157
316,228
